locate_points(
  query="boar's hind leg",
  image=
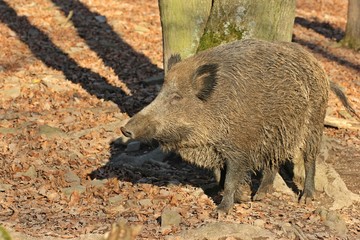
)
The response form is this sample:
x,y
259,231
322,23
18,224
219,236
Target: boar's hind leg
x,y
309,185
309,155
233,176
266,183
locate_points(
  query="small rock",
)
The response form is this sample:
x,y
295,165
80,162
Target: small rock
x,y
133,146
52,195
72,178
130,204
12,88
224,230
73,156
12,92
4,187
322,213
12,80
164,192
289,231
53,82
69,190
116,199
2,68
31,172
259,223
170,218
100,19
51,132
198,192
145,202
117,208
98,183
141,29
8,130
336,223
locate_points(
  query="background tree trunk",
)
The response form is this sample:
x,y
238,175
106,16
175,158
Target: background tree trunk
x,y
194,25
183,23
352,33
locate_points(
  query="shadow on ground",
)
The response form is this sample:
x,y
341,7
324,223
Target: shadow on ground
x,y
170,169
128,64
323,28
328,31
158,169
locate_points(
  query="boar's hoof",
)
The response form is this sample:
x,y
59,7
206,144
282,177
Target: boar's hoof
x,y
224,207
262,192
306,197
259,196
126,132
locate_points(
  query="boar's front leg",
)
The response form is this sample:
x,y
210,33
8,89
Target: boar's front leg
x,y
234,175
266,184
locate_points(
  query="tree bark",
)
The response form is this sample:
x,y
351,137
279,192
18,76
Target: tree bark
x,y
352,32
195,25
183,23
235,20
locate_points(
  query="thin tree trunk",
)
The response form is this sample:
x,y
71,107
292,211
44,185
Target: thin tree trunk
x,y
352,33
183,23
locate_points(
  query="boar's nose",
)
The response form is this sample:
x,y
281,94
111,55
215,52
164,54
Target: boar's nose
x,y
126,132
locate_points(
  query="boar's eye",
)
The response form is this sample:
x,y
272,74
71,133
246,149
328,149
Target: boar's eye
x,y
174,98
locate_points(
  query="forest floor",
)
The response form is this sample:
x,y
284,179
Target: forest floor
x,y
72,72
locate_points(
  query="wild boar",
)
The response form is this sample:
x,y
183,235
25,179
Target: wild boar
x,y
243,106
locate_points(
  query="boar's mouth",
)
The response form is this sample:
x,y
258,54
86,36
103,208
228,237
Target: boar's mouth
x,y
165,133
139,128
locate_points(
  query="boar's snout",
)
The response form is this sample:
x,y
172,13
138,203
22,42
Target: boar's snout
x,y
127,133
139,127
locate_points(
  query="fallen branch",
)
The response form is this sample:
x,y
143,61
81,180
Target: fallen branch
x,y
341,123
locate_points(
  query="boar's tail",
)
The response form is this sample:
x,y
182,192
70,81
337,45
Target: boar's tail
x,y
340,94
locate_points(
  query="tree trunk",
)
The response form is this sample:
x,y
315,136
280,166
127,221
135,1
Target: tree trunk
x,y
195,25
183,23
352,33
234,20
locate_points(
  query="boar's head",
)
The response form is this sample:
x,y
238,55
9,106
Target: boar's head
x,y
180,113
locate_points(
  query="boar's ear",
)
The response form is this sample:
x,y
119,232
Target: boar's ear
x,y
204,80
173,59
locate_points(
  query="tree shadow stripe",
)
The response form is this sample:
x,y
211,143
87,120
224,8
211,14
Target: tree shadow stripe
x,y
108,45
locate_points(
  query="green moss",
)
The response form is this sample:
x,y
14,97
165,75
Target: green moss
x,y
4,235
209,40
225,34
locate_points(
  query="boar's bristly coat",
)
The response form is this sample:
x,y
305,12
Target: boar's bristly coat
x,y
244,106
